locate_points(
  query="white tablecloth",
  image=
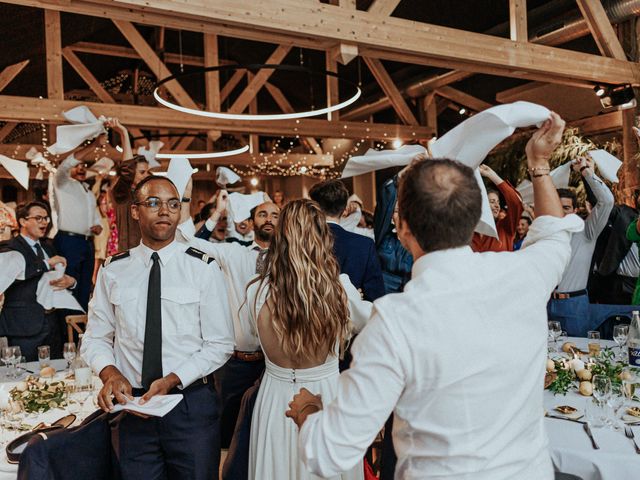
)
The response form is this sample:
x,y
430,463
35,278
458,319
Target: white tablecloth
x,y
8,471
571,449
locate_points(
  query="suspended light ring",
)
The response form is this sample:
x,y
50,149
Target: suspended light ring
x,y
226,153
256,117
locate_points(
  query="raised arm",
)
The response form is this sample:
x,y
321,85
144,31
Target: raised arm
x,y
125,141
604,200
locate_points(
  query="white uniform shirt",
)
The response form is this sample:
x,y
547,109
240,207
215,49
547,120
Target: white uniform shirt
x,y
74,201
459,357
197,333
238,264
12,267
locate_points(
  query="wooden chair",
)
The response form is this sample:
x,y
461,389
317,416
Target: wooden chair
x,y
77,323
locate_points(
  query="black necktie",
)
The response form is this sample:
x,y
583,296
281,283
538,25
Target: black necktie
x,y
152,354
39,251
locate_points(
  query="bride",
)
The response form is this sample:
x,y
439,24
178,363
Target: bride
x,y
300,308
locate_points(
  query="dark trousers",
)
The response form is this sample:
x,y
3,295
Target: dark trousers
x,y
80,256
29,345
183,444
233,379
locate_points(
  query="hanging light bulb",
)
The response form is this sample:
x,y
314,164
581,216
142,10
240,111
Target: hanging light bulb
x,y
462,111
397,143
599,89
254,182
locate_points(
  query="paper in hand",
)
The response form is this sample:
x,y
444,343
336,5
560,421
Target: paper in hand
x,y
158,406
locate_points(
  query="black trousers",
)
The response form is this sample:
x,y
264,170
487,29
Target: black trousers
x,y
183,444
29,345
233,379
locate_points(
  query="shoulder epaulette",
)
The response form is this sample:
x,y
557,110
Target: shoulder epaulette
x,y
116,256
194,252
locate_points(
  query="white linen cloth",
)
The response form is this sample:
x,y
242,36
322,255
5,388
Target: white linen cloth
x,y
157,406
447,356
238,263
17,169
150,151
197,333
100,167
179,172
13,266
273,449
50,298
239,205
225,176
85,127
75,204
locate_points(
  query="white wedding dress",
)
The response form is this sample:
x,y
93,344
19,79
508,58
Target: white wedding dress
x,y
273,451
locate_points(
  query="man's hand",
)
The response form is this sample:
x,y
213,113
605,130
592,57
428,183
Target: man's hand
x,y
114,384
544,141
487,172
63,282
222,200
162,386
115,124
96,229
303,404
582,163
53,261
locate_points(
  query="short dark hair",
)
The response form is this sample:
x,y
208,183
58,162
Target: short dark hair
x,y
526,218
140,159
331,195
441,202
568,193
23,210
149,179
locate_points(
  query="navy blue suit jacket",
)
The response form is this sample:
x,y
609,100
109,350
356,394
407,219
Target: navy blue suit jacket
x,y
357,258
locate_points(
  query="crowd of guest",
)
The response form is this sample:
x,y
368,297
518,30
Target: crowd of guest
x,y
255,297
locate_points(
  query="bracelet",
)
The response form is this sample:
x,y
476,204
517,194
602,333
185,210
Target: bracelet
x,y
541,175
541,169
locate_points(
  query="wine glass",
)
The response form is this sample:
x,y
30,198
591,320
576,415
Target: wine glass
x,y
620,334
601,394
616,402
594,342
7,355
69,353
556,330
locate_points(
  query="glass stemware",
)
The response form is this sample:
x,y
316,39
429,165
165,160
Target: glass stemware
x,y
620,335
555,329
617,401
69,353
601,394
7,356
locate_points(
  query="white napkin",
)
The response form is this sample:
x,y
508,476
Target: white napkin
x,y
374,160
239,206
179,173
39,161
607,164
17,169
559,177
85,127
50,298
149,152
225,176
158,406
101,167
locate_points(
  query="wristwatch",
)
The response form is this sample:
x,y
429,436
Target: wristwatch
x,y
185,200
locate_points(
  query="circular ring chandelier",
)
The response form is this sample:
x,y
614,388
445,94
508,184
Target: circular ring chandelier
x,y
253,117
226,153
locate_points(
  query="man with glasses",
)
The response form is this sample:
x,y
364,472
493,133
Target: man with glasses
x,y
25,259
78,218
159,323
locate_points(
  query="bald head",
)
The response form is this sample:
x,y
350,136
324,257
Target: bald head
x,y
440,201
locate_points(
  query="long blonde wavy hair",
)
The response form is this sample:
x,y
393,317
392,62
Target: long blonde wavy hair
x,y
306,300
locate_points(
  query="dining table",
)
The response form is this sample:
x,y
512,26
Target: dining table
x,y
571,448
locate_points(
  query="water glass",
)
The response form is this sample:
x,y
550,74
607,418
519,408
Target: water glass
x,y
69,353
555,328
44,355
15,360
7,357
620,334
594,342
617,401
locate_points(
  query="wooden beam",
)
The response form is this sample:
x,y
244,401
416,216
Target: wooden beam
x,y
87,76
6,130
10,72
212,79
126,52
384,8
463,99
402,40
232,83
333,94
606,122
286,107
259,80
153,62
29,109
518,20
601,29
431,111
53,44
391,91
515,93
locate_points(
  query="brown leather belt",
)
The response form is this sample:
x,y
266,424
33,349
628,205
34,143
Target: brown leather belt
x,y
565,295
248,356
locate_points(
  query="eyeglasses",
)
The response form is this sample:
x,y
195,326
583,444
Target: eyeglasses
x,y
154,204
39,219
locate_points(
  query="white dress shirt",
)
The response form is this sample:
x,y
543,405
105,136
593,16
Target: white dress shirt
x,y
238,264
32,244
12,267
75,203
197,334
459,357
